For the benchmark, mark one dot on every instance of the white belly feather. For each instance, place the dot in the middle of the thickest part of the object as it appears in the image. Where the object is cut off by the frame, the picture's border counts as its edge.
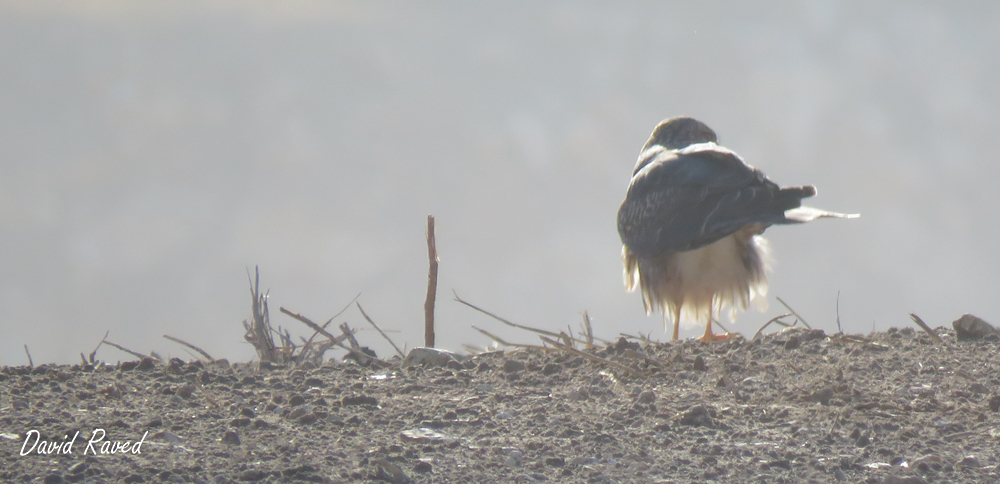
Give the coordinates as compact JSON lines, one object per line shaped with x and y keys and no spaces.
{"x":726,"y":274}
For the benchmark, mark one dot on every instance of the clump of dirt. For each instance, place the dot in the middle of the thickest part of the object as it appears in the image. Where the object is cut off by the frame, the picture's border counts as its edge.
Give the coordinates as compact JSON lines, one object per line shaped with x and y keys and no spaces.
{"x":797,"y":406}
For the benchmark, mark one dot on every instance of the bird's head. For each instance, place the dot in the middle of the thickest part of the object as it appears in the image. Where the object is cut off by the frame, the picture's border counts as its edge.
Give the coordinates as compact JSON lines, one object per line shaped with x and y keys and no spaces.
{"x":679,"y":132}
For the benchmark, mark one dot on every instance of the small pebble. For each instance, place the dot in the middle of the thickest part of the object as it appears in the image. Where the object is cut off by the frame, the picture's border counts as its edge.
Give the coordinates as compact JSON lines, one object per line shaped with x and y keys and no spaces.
{"x":185,"y":391}
{"x":230,"y":438}
{"x":146,"y":364}
{"x":647,"y":397}
{"x":995,"y":403}
{"x":698,"y":415}
{"x":822,"y":396}
{"x":510,"y":366}
{"x":298,"y":412}
{"x":514,"y":458}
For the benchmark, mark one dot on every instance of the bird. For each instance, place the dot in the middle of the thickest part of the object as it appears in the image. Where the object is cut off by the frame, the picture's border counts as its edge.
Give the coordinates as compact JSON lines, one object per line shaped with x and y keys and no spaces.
{"x":691,"y":225}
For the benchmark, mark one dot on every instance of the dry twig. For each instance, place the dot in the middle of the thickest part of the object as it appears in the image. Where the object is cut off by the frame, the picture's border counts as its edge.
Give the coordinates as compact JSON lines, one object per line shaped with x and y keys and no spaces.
{"x":923,"y":326}
{"x":30,"y":363}
{"x":432,"y":279}
{"x":93,"y":354}
{"x":804,"y":323}
{"x":349,"y":335}
{"x":588,"y":330}
{"x":315,"y":350}
{"x":258,"y":330}
{"x":508,"y":323}
{"x":312,"y":350}
{"x":839,"y":329}
{"x":189,"y":345}
{"x":567,"y":338}
{"x":398,"y":352}
{"x":308,"y":322}
{"x":641,"y":337}
{"x":500,"y":340}
{"x":313,"y":336}
{"x":133,"y":353}
{"x":774,"y":319}
{"x":337,"y":340}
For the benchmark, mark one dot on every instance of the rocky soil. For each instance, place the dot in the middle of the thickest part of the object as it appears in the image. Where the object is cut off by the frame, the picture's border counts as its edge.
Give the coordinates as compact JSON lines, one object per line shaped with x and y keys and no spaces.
{"x":797,"y":406}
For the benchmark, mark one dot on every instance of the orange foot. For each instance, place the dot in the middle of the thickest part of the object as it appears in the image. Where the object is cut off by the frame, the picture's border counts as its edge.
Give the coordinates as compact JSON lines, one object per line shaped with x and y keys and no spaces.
{"x":708,"y":337}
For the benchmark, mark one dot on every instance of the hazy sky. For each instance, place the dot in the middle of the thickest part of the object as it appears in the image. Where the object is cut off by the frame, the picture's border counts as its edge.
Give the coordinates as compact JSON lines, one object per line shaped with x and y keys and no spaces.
{"x":153,"y":152}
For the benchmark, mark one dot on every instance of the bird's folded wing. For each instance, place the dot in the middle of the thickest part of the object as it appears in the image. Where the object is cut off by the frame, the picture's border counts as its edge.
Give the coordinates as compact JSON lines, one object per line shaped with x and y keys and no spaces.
{"x":805,"y":214}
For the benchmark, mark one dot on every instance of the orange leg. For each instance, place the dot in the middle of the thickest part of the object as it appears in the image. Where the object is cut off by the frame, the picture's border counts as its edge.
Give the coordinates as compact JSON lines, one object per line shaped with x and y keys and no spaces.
{"x":677,"y":321}
{"x":709,"y":335}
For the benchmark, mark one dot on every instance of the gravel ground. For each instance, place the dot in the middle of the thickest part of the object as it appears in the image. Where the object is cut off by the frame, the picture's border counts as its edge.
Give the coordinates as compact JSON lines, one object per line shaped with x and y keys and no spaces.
{"x":797,"y":406}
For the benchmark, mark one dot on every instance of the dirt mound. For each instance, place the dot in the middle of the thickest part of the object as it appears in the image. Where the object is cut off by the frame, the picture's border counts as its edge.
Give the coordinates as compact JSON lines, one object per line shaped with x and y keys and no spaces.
{"x":798,"y":406}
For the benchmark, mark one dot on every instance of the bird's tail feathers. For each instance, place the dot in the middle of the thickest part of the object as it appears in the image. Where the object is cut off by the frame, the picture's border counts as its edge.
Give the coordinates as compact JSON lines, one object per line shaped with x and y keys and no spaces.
{"x":805,"y":191}
{"x":631,"y":263}
{"x":805,"y":214}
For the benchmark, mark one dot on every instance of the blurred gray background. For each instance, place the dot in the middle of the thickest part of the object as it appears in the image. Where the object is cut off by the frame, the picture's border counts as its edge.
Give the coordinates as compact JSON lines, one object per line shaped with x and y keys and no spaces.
{"x":153,"y":152}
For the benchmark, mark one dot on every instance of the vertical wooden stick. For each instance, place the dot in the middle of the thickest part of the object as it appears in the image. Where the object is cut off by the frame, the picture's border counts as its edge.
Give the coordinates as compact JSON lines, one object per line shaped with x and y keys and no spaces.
{"x":432,"y":280}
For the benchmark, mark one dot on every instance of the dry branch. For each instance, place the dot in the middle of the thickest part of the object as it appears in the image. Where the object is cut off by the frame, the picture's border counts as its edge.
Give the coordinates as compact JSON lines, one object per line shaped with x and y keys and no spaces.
{"x":923,"y":326}
{"x":133,"y":353}
{"x":588,"y":330}
{"x":30,"y":363}
{"x":345,"y":307}
{"x":308,"y":322}
{"x":398,"y":352}
{"x":839,"y":329}
{"x":93,"y":354}
{"x":189,"y":345}
{"x":797,"y":315}
{"x":774,"y":319}
{"x":506,"y":343}
{"x":311,"y":350}
{"x":567,"y":338}
{"x":432,"y":279}
{"x":258,"y":331}
{"x":349,"y":335}
{"x":515,"y":325}
{"x":337,"y":340}
{"x":307,"y":342}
